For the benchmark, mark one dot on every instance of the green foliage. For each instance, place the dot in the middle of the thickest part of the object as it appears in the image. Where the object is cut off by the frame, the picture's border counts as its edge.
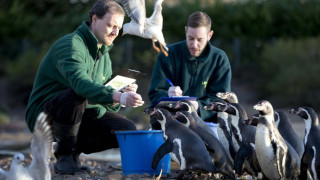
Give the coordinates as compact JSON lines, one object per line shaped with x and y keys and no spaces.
{"x":25,"y":66}
{"x":292,"y":70}
{"x":28,"y":28}
{"x":4,"y":119}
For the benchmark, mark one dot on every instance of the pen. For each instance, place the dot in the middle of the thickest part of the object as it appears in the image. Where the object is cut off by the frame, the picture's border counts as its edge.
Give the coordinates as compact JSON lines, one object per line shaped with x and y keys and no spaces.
{"x":169,"y":82}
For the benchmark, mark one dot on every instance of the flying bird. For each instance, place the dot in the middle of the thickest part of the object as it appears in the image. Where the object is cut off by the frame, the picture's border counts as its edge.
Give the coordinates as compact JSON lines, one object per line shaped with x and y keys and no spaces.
{"x":149,"y":28}
{"x":40,"y":148}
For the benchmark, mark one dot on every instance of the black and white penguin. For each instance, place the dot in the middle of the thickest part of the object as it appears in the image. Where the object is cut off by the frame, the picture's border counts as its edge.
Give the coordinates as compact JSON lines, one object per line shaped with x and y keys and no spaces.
{"x":242,"y":135}
{"x":240,"y":132}
{"x":311,"y":158}
{"x":224,"y":127}
{"x":184,"y":145}
{"x":219,"y":155}
{"x":229,"y":97}
{"x":278,"y":160}
{"x":286,"y":130}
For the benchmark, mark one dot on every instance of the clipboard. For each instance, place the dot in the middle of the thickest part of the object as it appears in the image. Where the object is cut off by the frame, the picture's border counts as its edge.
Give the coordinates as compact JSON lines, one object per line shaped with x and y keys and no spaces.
{"x":165,"y":100}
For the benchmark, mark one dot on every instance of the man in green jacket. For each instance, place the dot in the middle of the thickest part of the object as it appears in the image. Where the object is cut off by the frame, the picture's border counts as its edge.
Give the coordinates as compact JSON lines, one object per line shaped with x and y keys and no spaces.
{"x":69,"y":87}
{"x":194,"y":66}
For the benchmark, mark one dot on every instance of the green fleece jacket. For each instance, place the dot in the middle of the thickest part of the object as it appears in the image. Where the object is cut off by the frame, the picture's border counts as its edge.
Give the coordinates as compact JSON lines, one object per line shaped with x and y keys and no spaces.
{"x":74,"y":61}
{"x":201,"y":77}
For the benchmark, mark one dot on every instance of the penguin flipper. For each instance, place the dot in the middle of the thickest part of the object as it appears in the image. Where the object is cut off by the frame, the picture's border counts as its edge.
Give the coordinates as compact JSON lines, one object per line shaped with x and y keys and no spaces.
{"x":209,"y":149}
{"x":281,"y":153}
{"x":305,"y":160}
{"x":232,"y":151}
{"x":244,"y":151}
{"x":164,"y":149}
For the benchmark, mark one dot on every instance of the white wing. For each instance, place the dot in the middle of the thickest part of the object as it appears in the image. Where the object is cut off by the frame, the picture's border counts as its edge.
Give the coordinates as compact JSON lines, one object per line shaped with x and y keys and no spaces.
{"x":156,"y":17}
{"x":136,"y":10}
{"x":41,"y":147}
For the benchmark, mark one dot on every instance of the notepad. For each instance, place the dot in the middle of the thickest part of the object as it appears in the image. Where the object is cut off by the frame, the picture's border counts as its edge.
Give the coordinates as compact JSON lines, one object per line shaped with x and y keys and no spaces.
{"x":119,"y":82}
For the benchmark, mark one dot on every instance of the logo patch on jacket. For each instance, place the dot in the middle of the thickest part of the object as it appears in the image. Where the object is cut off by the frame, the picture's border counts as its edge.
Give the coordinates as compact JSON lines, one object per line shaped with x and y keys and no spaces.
{"x":205,"y":83}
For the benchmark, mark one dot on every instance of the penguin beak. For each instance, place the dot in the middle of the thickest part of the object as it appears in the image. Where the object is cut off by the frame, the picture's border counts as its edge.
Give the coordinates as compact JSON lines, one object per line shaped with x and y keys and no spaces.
{"x":257,"y":107}
{"x":295,"y":111}
{"x":176,"y":115}
{"x":154,"y":111}
{"x":148,"y":110}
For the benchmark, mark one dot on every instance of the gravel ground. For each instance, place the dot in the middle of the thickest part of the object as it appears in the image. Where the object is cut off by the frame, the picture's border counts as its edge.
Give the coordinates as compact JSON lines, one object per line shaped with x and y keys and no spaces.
{"x":106,"y":170}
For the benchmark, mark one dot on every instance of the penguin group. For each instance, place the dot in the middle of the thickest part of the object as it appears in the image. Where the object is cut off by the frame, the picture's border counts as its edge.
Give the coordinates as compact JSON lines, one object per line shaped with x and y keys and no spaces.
{"x":263,"y":145}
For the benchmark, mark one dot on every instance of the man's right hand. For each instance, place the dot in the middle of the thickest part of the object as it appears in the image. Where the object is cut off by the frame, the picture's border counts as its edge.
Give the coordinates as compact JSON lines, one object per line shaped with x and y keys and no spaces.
{"x":174,"y":91}
{"x":131,"y":99}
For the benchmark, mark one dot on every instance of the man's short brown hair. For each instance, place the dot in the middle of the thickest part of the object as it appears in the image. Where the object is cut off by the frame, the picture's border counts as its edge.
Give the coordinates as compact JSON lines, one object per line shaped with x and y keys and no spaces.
{"x":101,"y":7}
{"x":199,"y":19}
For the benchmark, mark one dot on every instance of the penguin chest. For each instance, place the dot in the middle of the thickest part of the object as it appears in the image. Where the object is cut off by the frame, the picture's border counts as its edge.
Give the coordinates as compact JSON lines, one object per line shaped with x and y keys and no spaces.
{"x":223,"y":138}
{"x":266,"y":153}
{"x":177,"y":153}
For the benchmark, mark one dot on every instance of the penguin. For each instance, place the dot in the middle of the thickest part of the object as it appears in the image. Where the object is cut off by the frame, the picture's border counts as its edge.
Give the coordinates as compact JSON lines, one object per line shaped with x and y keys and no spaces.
{"x":229,"y":97}
{"x":224,"y":127}
{"x":286,"y":130}
{"x":219,"y":155}
{"x":184,"y":145}
{"x":310,"y":161}
{"x":240,"y":132}
{"x":278,"y":160}
{"x":242,"y":135}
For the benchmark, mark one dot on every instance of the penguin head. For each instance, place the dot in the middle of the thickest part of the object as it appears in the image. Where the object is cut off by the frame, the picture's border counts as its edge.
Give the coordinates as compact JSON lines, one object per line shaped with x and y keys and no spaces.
{"x":183,"y":117}
{"x":217,"y":106}
{"x":304,"y":112}
{"x":162,"y":115}
{"x":264,"y":107}
{"x":230,"y":97}
{"x":148,"y":110}
{"x":158,"y":114}
{"x":184,"y":105}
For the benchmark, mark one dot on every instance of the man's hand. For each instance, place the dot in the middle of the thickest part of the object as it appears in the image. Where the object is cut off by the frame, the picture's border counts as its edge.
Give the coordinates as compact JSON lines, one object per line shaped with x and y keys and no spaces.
{"x":131,"y":99}
{"x":130,"y":88}
{"x":174,"y":91}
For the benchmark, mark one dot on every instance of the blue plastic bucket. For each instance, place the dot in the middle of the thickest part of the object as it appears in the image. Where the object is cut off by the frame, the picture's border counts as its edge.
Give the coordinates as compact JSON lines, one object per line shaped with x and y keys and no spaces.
{"x":137,"y":149}
{"x":213,"y":127}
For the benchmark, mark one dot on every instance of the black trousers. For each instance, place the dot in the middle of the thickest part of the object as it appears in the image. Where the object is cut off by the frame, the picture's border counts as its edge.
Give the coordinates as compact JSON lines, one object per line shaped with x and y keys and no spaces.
{"x":95,"y":134}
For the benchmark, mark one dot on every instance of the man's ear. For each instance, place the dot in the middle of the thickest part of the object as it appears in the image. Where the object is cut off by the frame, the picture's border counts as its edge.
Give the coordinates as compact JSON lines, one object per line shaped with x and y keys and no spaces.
{"x":210,"y":34}
{"x":94,"y":18}
{"x":186,"y":29}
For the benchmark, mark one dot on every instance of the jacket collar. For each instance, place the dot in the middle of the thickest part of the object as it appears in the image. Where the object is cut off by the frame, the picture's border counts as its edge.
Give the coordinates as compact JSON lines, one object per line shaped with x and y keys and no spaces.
{"x":91,"y":41}
{"x":204,"y":55}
